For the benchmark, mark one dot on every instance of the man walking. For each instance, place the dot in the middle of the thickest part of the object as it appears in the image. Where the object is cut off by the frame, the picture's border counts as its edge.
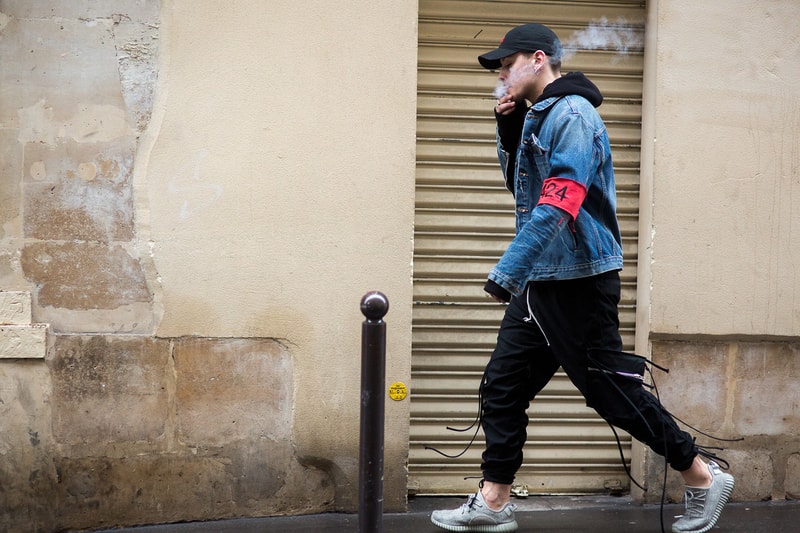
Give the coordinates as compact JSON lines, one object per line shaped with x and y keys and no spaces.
{"x":560,"y":277}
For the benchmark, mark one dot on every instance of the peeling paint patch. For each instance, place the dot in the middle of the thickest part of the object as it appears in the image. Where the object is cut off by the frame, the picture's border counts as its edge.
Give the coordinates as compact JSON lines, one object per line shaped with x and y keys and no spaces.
{"x":90,"y":124}
{"x":79,"y":191}
{"x":84,"y":275}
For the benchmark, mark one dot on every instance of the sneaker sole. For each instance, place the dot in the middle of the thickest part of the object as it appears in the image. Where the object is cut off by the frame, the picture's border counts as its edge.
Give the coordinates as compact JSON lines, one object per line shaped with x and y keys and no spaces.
{"x":726,"y":493}
{"x":487,"y":528}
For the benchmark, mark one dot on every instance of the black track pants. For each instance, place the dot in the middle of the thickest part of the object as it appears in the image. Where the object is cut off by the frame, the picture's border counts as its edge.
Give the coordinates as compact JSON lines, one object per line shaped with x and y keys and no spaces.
{"x":556,"y":324}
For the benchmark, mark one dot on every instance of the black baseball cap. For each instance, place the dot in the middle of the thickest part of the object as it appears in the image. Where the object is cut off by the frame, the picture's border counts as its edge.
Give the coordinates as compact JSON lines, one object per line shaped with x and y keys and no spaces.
{"x":525,"y":38}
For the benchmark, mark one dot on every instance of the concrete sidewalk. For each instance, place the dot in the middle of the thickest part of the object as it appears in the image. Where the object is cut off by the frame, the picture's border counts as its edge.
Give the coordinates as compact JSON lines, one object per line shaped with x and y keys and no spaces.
{"x":540,"y":514}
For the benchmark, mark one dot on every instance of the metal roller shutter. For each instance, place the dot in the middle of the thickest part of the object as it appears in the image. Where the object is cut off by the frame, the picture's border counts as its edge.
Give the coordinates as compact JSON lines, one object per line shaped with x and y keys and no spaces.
{"x":464,"y":220}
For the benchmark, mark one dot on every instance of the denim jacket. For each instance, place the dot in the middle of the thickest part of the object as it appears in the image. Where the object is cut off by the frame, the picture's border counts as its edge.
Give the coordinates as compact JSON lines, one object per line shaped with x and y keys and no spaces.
{"x":570,"y":161}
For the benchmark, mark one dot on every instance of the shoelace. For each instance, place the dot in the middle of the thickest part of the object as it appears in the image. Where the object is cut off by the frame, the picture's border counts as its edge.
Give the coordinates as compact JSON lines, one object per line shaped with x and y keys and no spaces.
{"x":475,"y":424}
{"x":695,"y":502}
{"x":470,"y":503}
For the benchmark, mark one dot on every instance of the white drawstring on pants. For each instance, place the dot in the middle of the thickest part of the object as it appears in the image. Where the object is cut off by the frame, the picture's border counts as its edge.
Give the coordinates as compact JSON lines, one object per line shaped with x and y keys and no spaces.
{"x":531,"y":316}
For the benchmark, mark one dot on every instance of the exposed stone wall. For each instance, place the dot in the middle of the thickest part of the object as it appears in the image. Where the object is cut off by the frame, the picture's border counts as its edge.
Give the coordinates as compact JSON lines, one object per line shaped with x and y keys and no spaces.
{"x":120,"y":430}
{"x":78,"y":81}
{"x":736,"y":389}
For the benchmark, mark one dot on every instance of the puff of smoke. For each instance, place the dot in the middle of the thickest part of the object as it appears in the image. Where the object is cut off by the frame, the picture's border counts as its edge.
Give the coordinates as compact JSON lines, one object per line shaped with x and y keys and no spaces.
{"x":620,"y":36}
{"x":514,"y":75}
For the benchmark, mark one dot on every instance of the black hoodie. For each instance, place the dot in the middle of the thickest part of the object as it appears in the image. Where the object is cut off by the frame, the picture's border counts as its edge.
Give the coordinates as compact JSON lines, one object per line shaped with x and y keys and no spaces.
{"x":573,"y":83}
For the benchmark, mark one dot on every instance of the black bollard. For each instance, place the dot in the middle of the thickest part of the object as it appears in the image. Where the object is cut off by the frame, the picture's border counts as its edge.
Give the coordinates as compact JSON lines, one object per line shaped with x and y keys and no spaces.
{"x":374,"y":306}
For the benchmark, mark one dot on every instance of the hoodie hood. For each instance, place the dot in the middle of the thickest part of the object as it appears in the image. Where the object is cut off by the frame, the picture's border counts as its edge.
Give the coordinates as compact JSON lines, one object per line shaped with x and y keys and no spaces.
{"x":573,"y":83}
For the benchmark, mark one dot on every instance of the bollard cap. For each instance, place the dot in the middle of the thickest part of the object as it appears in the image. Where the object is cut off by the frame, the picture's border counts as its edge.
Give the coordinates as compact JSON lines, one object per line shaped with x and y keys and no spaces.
{"x":374,"y":305}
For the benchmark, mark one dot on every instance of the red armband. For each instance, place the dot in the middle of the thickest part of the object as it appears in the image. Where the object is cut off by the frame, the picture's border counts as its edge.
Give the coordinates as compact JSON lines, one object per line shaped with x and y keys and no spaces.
{"x":564,"y":193}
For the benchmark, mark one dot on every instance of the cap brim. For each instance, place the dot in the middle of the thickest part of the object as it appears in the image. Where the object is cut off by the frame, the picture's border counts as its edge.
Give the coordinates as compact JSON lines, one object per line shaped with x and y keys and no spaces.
{"x":491,"y":60}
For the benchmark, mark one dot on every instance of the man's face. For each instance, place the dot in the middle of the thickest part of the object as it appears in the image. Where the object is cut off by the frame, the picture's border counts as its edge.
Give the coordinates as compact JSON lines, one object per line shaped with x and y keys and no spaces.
{"x":517,"y":74}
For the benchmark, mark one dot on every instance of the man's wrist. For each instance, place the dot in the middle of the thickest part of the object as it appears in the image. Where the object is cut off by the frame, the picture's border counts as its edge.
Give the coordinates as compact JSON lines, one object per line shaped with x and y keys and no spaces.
{"x":497,"y":291}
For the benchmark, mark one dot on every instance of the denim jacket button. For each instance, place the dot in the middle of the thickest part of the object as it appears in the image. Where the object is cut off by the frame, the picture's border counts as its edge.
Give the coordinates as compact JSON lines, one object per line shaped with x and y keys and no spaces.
{"x":522,"y":209}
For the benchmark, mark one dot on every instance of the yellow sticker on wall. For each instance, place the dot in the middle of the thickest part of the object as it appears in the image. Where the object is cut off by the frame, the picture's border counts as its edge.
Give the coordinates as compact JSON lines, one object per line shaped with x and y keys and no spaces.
{"x":398,"y":391}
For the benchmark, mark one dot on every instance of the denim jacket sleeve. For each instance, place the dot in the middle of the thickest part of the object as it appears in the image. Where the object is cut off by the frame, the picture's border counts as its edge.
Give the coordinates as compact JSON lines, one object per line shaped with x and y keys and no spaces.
{"x":513,"y":270}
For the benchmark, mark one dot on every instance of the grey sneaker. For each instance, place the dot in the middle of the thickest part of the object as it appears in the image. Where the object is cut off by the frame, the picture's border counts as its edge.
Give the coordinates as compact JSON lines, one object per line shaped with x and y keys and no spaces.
{"x":703,"y":506}
{"x":475,"y":515}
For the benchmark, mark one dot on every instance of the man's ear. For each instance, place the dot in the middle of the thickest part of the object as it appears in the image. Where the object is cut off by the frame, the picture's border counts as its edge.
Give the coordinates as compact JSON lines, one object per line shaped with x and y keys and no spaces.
{"x":538,"y":60}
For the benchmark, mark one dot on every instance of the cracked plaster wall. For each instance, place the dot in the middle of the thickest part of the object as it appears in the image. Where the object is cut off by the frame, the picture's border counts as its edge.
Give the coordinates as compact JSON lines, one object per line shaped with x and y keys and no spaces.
{"x":78,"y":83}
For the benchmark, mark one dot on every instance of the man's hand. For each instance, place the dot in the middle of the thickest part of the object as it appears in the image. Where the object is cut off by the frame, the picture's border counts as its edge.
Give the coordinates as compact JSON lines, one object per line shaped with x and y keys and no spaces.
{"x":496,"y":298}
{"x":496,"y":292}
{"x":505,"y":105}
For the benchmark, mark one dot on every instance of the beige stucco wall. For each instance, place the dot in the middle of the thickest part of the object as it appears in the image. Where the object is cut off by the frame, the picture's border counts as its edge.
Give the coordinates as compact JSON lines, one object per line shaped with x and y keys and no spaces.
{"x":726,"y":169}
{"x":720,"y":233}
{"x":196,"y":196}
{"x":278,"y":183}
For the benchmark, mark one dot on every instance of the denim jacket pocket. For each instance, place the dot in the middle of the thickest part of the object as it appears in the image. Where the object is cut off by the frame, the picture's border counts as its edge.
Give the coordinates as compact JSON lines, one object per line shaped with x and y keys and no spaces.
{"x":570,"y":236}
{"x":540,"y":155}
